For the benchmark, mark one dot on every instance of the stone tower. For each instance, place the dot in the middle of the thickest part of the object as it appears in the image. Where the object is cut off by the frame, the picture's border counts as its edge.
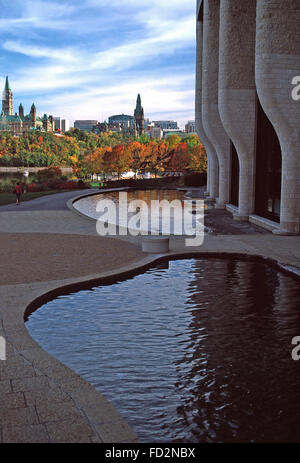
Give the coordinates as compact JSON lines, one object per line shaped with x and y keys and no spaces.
{"x":33,"y":115}
{"x":7,"y":99}
{"x":139,"y":116}
{"x":21,"y":111}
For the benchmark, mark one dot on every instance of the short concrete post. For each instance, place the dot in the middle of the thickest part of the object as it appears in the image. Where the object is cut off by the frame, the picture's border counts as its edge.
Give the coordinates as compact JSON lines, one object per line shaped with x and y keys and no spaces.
{"x":155,"y":244}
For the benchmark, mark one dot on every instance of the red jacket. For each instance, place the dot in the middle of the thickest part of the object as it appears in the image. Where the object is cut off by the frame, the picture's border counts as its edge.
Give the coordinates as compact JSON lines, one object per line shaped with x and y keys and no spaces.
{"x":18,"y":189}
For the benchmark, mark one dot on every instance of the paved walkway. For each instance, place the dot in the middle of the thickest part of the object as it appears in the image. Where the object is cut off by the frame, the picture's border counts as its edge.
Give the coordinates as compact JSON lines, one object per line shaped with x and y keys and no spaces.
{"x":53,"y":202}
{"x":45,"y":246}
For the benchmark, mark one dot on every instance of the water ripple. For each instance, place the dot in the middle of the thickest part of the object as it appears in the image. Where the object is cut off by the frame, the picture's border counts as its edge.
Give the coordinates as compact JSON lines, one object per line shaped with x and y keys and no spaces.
{"x":197,"y":352}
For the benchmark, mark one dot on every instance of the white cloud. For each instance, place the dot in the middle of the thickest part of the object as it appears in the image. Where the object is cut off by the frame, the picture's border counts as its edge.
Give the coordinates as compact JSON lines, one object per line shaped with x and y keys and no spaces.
{"x":45,"y":9}
{"x":164,"y":96}
{"x":71,"y":66}
{"x":176,"y":37}
{"x":54,"y":73}
{"x":36,"y":51}
{"x":37,"y":14}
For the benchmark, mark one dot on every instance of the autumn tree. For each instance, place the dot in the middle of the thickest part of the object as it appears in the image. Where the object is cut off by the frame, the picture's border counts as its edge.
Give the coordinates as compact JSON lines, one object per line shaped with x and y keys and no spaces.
{"x":179,"y":159}
{"x":94,"y":161}
{"x":173,"y":140}
{"x":191,"y":140}
{"x":150,"y":160}
{"x":163,"y":156}
{"x":116,"y":159}
{"x":198,"y":159}
{"x":136,"y":152}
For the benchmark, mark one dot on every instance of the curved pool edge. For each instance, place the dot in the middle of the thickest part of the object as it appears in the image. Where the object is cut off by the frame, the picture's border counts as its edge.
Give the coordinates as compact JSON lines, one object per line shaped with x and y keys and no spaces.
{"x":99,"y":415}
{"x":103,"y":420}
{"x":73,"y":200}
{"x":99,"y":412}
{"x":70,"y":203}
{"x":20,"y":300}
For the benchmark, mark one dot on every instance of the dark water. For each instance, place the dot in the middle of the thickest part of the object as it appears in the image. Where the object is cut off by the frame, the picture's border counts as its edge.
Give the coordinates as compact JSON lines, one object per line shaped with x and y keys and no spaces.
{"x":15,"y":175}
{"x":197,"y":352}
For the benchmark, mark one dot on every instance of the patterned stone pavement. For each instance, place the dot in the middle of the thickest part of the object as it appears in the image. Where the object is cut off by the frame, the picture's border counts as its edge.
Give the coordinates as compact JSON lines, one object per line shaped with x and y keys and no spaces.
{"x":41,"y":400}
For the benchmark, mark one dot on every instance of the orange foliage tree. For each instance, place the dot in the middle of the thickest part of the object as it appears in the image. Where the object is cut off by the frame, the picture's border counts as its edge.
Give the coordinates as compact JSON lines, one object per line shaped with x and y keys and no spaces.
{"x":198,"y":159}
{"x":135,"y":152}
{"x":94,"y":161}
{"x":179,"y":159}
{"x":116,"y":160}
{"x":149,"y":163}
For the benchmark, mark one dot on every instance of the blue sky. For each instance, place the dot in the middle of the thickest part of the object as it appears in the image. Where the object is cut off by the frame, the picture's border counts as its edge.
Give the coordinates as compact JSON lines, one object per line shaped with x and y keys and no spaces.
{"x":88,"y":59}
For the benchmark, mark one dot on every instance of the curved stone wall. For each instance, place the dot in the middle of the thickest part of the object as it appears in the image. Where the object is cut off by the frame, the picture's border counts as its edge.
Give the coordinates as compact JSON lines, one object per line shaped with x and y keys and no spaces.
{"x":210,"y":112}
{"x":252,"y":49}
{"x":212,"y":168}
{"x":277,"y":63}
{"x":237,"y":92}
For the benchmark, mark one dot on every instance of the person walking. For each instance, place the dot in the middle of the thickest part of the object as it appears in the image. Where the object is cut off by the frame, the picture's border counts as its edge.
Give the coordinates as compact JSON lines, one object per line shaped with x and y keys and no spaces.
{"x":18,"y":193}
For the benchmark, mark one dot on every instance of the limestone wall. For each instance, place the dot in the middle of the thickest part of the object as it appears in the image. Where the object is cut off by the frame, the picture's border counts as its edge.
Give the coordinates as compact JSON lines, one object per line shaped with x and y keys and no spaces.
{"x":277,"y":63}
{"x":246,"y":48}
{"x":212,"y":171}
{"x":210,"y":112}
{"x":237,"y":93}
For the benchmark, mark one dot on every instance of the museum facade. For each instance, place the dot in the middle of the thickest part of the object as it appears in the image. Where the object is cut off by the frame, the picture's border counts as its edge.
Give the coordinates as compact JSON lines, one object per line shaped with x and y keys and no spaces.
{"x":248,"y":108}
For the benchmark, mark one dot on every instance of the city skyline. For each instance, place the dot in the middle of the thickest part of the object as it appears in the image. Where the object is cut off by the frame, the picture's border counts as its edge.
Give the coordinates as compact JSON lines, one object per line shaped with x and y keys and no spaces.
{"x":89,"y":61}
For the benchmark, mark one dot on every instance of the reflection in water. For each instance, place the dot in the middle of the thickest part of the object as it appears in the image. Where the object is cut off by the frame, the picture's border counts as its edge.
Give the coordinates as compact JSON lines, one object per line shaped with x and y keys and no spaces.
{"x":138,"y":210}
{"x":144,"y":195}
{"x":197,"y":352}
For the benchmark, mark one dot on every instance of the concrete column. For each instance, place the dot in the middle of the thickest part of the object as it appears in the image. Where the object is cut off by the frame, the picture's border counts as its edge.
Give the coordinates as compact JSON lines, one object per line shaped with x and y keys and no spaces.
{"x":277,"y":63}
{"x":237,"y":92}
{"x":210,"y":112}
{"x":212,"y":167}
{"x":208,"y":173}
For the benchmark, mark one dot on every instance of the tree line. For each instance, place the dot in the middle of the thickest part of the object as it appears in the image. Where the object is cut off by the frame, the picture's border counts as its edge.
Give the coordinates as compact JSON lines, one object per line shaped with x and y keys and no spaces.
{"x":108,"y":153}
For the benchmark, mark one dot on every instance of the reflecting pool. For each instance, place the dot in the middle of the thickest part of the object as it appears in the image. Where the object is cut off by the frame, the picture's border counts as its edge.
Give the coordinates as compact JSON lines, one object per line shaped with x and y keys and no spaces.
{"x":195,"y":350}
{"x":139,"y":210}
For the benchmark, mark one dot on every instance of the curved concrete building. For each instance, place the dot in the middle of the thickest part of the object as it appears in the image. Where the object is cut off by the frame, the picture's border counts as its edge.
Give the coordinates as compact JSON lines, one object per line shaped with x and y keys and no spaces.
{"x":210,"y":111}
{"x":277,"y":63}
{"x":237,"y":97}
{"x":251,"y":106}
{"x":213,"y":167}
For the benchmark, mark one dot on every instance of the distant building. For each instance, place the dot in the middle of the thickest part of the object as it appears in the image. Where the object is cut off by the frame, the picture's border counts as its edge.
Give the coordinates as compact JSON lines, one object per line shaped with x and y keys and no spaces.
{"x":147,"y":122}
{"x":100,"y":127}
{"x":117,"y":127}
{"x":120,"y":123}
{"x":139,"y":116}
{"x":87,"y":125}
{"x":148,"y":127}
{"x":167,"y":125}
{"x":57,"y":122}
{"x":155,"y":132}
{"x":190,"y":127}
{"x":19,"y":123}
{"x":127,"y":122}
{"x":65,"y":125}
{"x":61,"y":125}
